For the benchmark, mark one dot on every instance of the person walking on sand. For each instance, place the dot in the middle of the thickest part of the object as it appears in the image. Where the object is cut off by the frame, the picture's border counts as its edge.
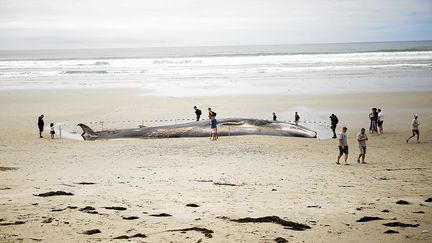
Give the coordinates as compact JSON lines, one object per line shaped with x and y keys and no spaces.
{"x":274,"y":116}
{"x":296,"y":118}
{"x":197,"y":113}
{"x":343,"y":145}
{"x":380,"y":121}
{"x":213,"y":122}
{"x":415,"y":129}
{"x":334,"y":121}
{"x":52,"y":132}
{"x":362,"y":138}
{"x":41,"y":125}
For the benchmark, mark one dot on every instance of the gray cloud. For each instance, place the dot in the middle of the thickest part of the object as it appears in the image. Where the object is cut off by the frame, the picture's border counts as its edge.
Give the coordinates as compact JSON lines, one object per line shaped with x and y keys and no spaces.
{"x":127,"y":23}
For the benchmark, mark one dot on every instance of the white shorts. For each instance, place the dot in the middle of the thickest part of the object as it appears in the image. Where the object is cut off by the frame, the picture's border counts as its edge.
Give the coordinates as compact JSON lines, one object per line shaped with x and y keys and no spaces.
{"x":213,"y":130}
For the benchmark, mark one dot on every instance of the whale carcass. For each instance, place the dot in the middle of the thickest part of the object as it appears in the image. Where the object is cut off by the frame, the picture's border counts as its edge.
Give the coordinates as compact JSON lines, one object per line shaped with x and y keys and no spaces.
{"x":226,"y":127}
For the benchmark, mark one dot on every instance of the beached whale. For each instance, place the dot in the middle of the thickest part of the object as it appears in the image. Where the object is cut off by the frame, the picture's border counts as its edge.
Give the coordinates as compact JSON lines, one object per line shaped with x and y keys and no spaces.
{"x":226,"y":127}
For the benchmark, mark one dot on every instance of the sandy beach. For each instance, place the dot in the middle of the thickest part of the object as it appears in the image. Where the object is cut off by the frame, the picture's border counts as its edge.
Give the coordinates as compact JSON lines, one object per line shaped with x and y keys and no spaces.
{"x":150,"y":182}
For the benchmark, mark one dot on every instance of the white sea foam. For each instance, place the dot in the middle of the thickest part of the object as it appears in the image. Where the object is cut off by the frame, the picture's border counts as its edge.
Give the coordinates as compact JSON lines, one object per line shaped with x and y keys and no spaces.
{"x":238,"y":73}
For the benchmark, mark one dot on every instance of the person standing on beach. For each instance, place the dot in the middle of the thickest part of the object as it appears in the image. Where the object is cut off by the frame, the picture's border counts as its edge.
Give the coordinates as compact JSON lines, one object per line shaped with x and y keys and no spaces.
{"x":274,"y":116}
{"x":296,"y":118}
{"x":197,"y":113}
{"x":210,"y":113}
{"x":415,"y":129}
{"x":374,"y":120}
{"x":334,"y":121}
{"x":52,"y":132}
{"x":362,"y":138}
{"x":343,"y":145}
{"x":380,"y":121}
{"x":41,"y":125}
{"x":213,"y":135}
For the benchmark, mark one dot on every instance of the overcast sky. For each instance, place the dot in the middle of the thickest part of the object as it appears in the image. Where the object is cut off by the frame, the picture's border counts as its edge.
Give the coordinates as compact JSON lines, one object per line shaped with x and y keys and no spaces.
{"x":41,"y":24}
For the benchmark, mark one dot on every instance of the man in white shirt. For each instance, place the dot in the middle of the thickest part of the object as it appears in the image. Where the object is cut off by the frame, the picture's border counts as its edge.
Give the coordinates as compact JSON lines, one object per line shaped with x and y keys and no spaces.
{"x":343,"y":145}
{"x":415,"y":130}
{"x":380,"y":121}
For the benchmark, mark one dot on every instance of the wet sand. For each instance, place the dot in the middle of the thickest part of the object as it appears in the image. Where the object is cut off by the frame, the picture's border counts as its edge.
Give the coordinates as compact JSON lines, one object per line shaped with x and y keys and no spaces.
{"x":192,"y":189}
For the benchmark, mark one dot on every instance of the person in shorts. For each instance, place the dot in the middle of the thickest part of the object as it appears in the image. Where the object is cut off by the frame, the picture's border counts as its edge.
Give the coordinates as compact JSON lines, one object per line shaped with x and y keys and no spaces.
{"x":380,"y":121}
{"x":415,"y":129}
{"x":361,"y":139}
{"x":213,"y":135}
{"x":52,"y":130}
{"x":343,"y":145}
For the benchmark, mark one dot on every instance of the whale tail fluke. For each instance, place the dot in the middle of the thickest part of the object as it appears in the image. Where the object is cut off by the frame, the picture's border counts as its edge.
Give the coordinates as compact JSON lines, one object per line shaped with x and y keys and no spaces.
{"x":88,"y":133}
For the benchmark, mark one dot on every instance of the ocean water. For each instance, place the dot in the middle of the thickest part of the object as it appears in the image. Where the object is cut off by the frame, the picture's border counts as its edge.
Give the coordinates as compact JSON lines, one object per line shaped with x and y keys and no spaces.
{"x":231,"y":70}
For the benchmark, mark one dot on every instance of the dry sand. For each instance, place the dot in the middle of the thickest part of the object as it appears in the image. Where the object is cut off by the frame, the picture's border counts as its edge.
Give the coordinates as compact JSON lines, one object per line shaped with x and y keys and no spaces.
{"x":295,"y":179}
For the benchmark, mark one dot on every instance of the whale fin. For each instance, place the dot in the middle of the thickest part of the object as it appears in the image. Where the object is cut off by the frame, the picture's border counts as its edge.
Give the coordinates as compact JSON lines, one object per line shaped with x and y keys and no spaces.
{"x":88,"y":133}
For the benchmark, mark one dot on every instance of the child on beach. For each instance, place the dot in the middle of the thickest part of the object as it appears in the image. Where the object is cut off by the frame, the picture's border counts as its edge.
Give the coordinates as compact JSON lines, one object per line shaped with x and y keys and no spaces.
{"x":362,"y":138}
{"x":52,"y":132}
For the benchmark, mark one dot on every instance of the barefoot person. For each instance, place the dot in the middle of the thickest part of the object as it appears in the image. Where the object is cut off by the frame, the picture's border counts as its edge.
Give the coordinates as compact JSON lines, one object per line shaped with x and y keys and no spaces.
{"x":362,"y":138}
{"x":343,"y":145}
{"x":334,"y":121}
{"x":41,"y":125}
{"x":213,"y":135}
{"x":415,"y":130}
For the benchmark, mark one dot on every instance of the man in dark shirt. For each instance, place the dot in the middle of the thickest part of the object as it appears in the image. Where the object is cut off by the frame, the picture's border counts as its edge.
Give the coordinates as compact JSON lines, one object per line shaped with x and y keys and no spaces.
{"x":213,"y":122}
{"x":334,"y":121}
{"x":374,"y":120}
{"x":296,"y":118}
{"x":41,"y":125}
{"x":274,"y":116}
{"x":197,"y":113}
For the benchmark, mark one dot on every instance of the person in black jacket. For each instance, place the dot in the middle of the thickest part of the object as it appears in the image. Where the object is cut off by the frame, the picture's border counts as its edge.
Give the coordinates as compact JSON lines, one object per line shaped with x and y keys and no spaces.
{"x":334,"y":121}
{"x":41,"y":125}
{"x":197,"y":113}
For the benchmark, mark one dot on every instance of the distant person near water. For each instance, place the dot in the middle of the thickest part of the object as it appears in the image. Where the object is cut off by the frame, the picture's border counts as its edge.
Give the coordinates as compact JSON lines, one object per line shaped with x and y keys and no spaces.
{"x":296,"y":118}
{"x":52,"y":132}
{"x":41,"y":125}
{"x":274,"y":116}
{"x":213,"y":135}
{"x":415,"y":129}
{"x":343,"y":146}
{"x":361,"y":139}
{"x":380,"y":121}
{"x":197,"y":113}
{"x":334,"y":121}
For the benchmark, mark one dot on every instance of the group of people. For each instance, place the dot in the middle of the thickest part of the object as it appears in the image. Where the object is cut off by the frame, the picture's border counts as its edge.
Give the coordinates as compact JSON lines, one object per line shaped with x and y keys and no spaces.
{"x":376,"y":118}
{"x":362,"y":136}
{"x":213,"y":122}
{"x":296,"y":117}
{"x":41,"y":125}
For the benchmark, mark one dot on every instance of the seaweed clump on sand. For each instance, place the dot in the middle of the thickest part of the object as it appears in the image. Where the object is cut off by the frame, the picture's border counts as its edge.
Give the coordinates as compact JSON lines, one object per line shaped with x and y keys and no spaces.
{"x":56,"y":193}
{"x":276,"y":220}
{"x":207,"y":233}
{"x":399,"y":224}
{"x":369,"y":218}
{"x":125,"y":237}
